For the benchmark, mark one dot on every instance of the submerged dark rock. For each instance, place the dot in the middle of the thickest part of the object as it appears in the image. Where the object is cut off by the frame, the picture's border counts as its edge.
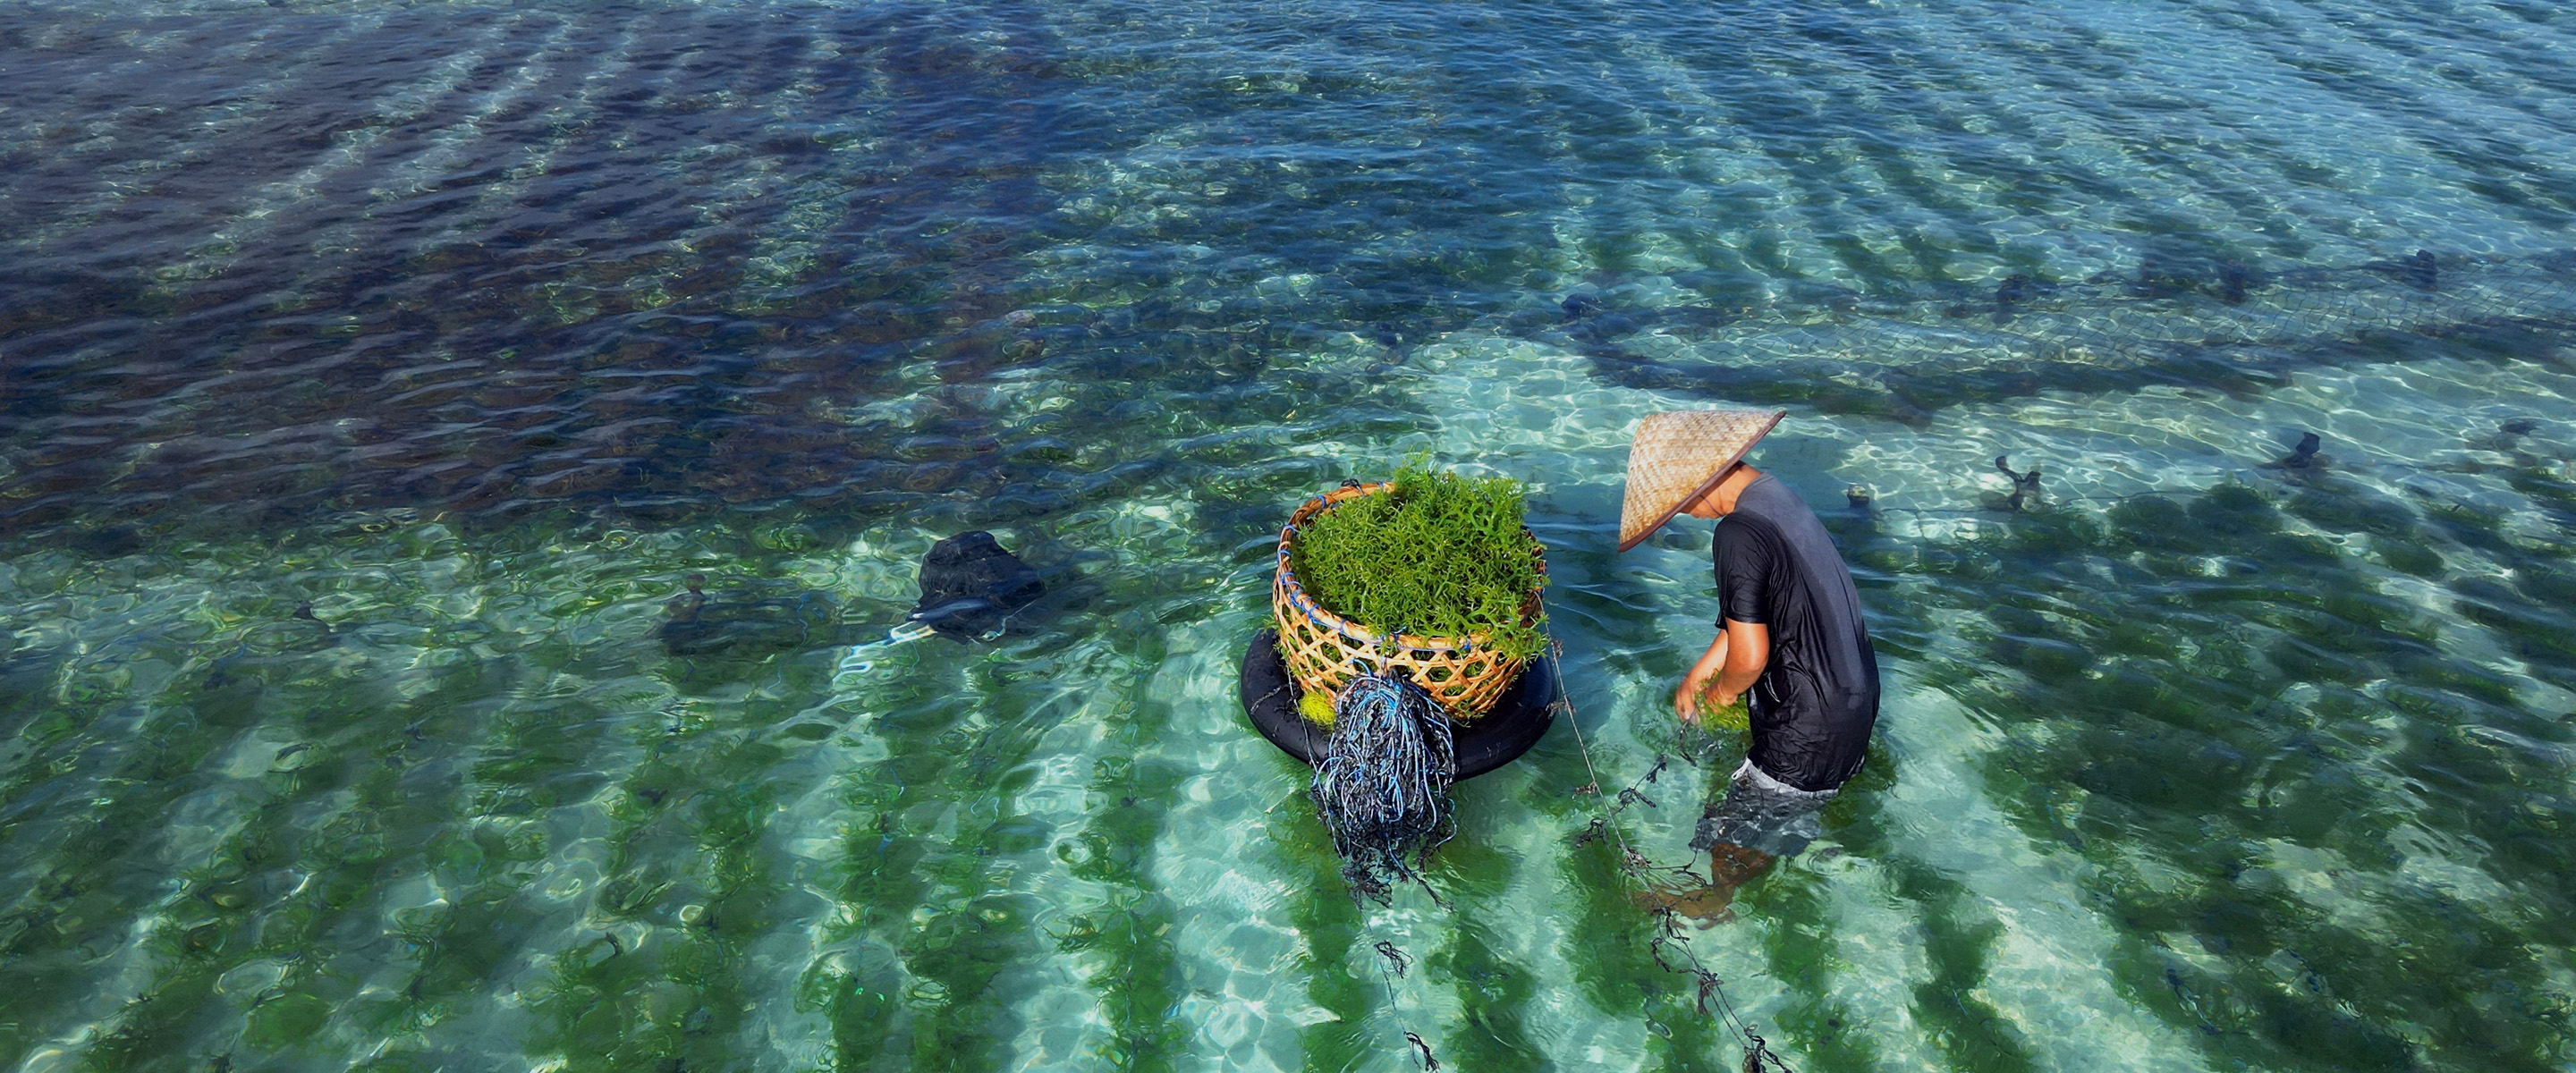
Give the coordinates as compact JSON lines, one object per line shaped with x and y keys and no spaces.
{"x":747,"y":627}
{"x":106,"y":542}
{"x":2423,"y":273}
{"x":2159,"y":277}
{"x":2017,"y":291}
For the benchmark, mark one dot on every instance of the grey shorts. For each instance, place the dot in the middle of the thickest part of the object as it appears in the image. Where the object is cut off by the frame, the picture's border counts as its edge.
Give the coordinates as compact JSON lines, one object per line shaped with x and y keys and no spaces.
{"x":1762,"y":813}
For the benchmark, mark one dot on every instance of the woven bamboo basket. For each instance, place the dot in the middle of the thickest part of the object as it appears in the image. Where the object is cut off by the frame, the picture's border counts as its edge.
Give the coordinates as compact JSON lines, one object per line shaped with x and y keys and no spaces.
{"x":1324,"y":651}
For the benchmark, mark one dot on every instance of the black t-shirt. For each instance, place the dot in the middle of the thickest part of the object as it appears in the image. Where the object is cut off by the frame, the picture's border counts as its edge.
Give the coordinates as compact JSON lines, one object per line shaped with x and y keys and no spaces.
{"x":1817,"y":698}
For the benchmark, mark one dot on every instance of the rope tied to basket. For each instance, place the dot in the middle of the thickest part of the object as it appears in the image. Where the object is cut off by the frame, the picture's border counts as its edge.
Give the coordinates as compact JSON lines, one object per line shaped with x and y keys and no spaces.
{"x":1383,"y":784}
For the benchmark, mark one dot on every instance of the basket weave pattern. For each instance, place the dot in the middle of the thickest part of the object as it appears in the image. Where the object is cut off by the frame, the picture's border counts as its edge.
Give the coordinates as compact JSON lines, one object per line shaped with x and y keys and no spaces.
{"x":1324,"y":651}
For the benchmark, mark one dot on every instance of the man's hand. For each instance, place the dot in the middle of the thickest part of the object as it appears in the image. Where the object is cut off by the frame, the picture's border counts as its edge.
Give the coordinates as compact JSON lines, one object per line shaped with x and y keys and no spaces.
{"x":1686,"y":699}
{"x":1703,"y":674}
{"x":1734,"y":660}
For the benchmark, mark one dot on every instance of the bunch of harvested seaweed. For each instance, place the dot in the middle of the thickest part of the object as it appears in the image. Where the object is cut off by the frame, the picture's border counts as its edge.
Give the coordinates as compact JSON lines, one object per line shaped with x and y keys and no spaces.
{"x":1444,"y":555}
{"x":1383,"y":783}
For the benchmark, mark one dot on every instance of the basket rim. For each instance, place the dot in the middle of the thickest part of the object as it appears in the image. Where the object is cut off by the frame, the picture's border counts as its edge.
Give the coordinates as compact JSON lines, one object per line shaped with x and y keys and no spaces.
{"x":1287,"y":586}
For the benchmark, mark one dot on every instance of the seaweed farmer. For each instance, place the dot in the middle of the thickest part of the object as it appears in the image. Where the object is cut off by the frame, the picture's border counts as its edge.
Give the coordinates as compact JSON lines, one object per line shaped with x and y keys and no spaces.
{"x":1790,"y":641}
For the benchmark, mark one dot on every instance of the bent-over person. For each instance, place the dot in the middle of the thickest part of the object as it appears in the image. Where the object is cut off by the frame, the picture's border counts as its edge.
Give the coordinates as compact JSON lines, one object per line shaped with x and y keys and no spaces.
{"x":1790,"y":641}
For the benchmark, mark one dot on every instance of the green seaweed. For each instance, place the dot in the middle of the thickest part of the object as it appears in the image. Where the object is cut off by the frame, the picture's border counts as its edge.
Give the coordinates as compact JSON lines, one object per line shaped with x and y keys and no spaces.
{"x":1440,"y":555}
{"x":1608,"y":941}
{"x":1131,"y":932}
{"x":932,"y":944}
{"x":1329,"y":922}
{"x":1494,"y":991}
{"x":1798,"y":952}
{"x":2187,"y":753}
{"x":232,"y":913}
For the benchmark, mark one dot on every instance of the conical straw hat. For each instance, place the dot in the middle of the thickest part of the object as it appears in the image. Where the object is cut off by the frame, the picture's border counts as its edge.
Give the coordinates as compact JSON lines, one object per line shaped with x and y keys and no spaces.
{"x":1680,"y":455}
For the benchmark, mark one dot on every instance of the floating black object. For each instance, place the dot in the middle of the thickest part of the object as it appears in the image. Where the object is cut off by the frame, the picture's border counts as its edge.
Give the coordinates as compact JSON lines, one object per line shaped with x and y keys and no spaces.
{"x":2422,"y":271}
{"x":2025,"y":485}
{"x":329,"y":636}
{"x":2233,"y":281}
{"x":970,"y":587}
{"x":1518,"y":719}
{"x":2305,"y":455}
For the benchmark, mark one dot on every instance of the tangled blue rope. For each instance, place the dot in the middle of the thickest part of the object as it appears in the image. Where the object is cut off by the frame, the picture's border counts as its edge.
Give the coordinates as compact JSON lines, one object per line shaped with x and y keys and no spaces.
{"x":1383,"y":784}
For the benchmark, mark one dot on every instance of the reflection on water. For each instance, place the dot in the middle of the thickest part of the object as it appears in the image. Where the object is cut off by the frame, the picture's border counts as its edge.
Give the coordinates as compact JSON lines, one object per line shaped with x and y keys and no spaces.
{"x":455,"y":456}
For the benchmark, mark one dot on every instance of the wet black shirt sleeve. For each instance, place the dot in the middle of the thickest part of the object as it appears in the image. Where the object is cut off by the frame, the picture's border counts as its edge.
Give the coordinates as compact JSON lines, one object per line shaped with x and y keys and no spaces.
{"x":1746,"y":564}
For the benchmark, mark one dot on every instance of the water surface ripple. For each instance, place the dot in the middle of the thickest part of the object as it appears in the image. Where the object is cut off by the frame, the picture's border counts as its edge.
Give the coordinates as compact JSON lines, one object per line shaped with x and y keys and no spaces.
{"x":372,"y":375}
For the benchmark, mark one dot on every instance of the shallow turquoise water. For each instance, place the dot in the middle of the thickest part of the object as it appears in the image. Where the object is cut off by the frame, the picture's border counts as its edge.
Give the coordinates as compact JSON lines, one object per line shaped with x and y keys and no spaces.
{"x":477,"y":328}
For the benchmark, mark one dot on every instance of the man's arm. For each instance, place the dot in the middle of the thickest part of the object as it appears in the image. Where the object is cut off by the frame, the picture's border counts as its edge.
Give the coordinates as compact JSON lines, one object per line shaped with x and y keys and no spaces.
{"x":1747,"y":651}
{"x":1744,"y":557}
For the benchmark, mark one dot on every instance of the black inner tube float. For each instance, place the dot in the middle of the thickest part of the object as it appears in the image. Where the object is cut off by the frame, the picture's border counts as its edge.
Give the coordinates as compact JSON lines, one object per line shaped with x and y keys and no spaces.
{"x":1518,"y":720}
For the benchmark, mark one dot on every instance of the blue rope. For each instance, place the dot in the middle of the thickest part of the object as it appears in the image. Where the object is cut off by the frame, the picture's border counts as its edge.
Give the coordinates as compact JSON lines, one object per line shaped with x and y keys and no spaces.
{"x":1383,"y":784}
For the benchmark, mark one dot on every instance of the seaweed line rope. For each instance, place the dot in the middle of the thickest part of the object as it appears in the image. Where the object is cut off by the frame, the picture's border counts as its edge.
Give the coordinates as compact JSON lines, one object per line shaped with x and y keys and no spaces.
{"x":1758,"y":1055}
{"x":1392,"y":704}
{"x":1392,"y":962}
{"x":854,"y":665}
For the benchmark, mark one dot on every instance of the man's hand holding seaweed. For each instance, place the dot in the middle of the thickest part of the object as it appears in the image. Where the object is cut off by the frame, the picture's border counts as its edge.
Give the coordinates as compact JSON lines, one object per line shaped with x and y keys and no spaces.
{"x":1729,"y":667}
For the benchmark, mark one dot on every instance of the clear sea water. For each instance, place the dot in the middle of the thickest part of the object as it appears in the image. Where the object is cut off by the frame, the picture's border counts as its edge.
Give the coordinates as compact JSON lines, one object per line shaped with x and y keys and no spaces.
{"x":371,"y":375}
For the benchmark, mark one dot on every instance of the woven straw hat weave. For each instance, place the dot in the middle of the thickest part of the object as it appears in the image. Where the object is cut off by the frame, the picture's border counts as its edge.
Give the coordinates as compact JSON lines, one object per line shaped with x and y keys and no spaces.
{"x":1677,"y":456}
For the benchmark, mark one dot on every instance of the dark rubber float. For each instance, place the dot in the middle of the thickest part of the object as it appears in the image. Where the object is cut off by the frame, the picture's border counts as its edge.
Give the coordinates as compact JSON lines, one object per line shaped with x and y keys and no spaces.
{"x":1519,"y":719}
